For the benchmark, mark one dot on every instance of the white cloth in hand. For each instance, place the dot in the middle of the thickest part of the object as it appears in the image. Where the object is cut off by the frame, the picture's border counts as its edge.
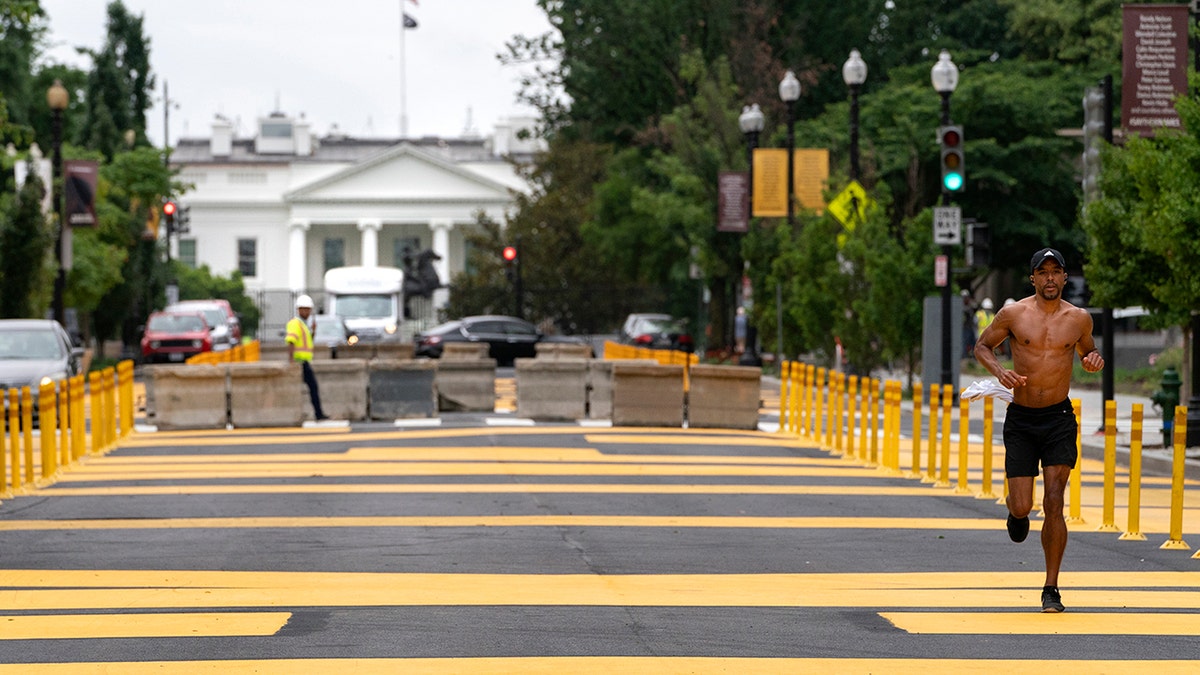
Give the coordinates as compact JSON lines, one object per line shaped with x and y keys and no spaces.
{"x":980,"y":389}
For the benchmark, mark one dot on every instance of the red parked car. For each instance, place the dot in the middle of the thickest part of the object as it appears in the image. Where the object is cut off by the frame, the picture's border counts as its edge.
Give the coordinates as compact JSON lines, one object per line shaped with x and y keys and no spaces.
{"x":171,"y":337}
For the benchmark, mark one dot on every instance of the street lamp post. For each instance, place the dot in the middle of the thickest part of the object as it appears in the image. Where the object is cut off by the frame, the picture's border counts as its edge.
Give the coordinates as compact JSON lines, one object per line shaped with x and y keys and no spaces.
{"x":751,"y":124}
{"x":854,"y":72}
{"x":57,"y":98}
{"x":944,"y":76}
{"x":789,"y":92}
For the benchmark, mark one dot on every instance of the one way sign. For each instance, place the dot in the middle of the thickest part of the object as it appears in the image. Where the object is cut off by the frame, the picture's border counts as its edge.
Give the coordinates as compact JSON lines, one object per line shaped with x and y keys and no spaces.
{"x":947,"y":225}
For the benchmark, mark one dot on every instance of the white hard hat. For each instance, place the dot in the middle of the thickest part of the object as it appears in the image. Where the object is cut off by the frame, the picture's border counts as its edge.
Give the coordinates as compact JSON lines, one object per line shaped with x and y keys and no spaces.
{"x":987,"y":303}
{"x":304,"y":301}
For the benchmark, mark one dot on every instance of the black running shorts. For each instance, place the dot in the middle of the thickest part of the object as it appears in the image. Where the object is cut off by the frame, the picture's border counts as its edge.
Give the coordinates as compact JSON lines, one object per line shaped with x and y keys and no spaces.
{"x":1045,"y":434}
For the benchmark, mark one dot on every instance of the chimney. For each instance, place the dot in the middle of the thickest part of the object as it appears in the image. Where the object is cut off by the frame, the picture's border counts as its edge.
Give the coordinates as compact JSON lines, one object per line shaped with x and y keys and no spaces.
{"x":302,"y":137}
{"x":221,"y":144}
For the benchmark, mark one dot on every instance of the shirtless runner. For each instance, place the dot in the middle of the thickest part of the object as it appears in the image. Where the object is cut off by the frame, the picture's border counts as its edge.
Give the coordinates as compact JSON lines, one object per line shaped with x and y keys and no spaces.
{"x":1044,"y":332}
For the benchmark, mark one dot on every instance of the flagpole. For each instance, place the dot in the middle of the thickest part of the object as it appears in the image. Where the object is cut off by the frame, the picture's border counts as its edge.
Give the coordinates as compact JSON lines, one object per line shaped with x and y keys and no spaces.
{"x":403,"y":84}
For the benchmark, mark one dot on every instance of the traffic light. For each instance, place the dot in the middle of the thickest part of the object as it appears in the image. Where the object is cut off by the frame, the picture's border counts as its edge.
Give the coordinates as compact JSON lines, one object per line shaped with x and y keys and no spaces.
{"x":169,"y":209}
{"x":1094,"y":105}
{"x":979,"y":249}
{"x":510,"y":260}
{"x":183,"y":219}
{"x":953,"y":171}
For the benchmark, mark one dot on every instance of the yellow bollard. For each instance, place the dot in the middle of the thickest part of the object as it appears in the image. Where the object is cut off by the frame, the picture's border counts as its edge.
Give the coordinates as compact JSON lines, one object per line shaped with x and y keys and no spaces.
{"x":64,"y":426}
{"x":14,"y":437}
{"x":873,"y":458}
{"x":819,"y":416}
{"x":897,"y":412}
{"x":48,"y":424}
{"x":885,"y":430}
{"x":918,"y":403}
{"x":1134,"y":530}
{"x":1177,"y":470}
{"x":1075,"y":514}
{"x":96,"y":401}
{"x":964,"y":448}
{"x":944,"y":471}
{"x":839,"y":431}
{"x":1108,"y":518}
{"x":797,"y":398}
{"x":125,"y":388}
{"x":988,"y":429}
{"x":4,"y":492}
{"x":851,"y":422}
{"x":785,"y":376}
{"x":110,"y":406}
{"x":78,"y":418}
{"x":811,"y":399}
{"x":864,"y":423}
{"x":27,"y":421}
{"x":935,"y":393}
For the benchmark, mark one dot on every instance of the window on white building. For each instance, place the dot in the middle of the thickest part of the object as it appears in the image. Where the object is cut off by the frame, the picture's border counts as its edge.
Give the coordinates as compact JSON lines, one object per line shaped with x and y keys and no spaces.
{"x":187,"y":252}
{"x":248,"y":257}
{"x":405,"y":246}
{"x":335,"y":252}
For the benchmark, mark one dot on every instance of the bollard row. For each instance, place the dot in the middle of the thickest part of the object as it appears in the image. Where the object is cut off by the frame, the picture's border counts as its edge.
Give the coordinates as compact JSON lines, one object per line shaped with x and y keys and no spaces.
{"x":77,"y":416}
{"x":859,"y":419}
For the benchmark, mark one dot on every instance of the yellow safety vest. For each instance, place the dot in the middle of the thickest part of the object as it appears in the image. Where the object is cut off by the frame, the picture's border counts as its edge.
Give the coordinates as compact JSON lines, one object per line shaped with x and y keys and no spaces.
{"x":299,"y":335}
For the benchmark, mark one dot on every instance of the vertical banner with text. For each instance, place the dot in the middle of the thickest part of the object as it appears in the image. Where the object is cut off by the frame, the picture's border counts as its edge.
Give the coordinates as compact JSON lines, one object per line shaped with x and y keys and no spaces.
{"x":733,"y":201}
{"x":1153,"y":67}
{"x":770,"y":195}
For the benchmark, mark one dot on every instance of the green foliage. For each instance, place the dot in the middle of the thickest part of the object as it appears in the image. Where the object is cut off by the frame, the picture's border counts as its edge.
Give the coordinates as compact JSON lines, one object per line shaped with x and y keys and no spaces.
{"x":1143,"y":230}
{"x":119,"y":87}
{"x":25,"y":237}
{"x":200,"y":284}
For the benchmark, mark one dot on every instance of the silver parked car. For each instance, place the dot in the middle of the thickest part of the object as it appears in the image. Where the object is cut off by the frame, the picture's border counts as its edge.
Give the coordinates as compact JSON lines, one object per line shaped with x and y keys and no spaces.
{"x":33,"y":351}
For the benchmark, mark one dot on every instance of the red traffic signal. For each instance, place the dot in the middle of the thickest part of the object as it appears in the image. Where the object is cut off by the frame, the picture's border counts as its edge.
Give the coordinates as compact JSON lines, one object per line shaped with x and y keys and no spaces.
{"x":509,"y":253}
{"x":168,"y":208}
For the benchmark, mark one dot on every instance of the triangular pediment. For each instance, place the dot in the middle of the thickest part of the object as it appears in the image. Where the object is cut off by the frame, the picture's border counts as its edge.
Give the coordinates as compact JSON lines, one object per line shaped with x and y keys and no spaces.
{"x":400,"y":173}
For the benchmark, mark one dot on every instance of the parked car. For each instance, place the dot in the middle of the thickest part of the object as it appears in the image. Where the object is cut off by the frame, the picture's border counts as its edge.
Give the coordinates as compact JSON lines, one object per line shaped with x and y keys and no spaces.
{"x":508,"y":338}
{"x":657,"y":331}
{"x":222,"y":321}
{"x":33,"y":351}
{"x":172,"y":337}
{"x":331,"y":331}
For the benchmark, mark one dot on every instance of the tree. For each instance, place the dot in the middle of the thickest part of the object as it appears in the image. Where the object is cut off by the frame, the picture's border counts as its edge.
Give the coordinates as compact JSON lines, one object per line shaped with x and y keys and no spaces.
{"x":119,"y":87}
{"x":25,"y":239}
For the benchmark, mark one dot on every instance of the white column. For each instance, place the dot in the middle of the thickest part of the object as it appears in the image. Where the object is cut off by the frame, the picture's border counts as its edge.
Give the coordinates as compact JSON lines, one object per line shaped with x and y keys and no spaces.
{"x":297,"y":253}
{"x":370,"y":228}
{"x":440,"y":227}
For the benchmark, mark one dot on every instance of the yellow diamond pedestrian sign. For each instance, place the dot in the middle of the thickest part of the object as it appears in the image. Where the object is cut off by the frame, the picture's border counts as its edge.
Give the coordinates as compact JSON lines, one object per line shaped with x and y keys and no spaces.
{"x":851,"y":204}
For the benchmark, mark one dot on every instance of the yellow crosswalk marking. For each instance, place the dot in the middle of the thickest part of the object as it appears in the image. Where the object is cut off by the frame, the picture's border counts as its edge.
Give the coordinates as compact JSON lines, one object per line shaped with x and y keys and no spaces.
{"x":1070,"y":623}
{"x":187,"y":624}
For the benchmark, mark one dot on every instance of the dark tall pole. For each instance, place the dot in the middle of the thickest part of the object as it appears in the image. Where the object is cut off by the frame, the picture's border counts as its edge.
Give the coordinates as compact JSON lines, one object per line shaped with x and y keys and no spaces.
{"x":854,"y":168}
{"x":791,"y":162}
{"x":947,"y":342}
{"x":57,"y":98}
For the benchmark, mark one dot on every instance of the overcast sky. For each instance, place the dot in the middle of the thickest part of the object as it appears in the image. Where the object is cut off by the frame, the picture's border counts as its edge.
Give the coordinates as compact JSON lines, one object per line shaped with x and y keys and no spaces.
{"x":337,"y":62}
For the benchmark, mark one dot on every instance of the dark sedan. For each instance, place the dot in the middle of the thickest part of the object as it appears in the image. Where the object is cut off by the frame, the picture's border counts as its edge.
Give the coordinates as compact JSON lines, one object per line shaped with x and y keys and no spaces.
{"x":508,"y":338}
{"x":34,"y":351}
{"x":657,"y":331}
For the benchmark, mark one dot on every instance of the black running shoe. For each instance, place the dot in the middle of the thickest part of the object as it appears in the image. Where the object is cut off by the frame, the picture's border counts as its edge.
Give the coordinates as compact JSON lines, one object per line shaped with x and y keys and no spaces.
{"x":1051,"y":602}
{"x":1018,"y":528}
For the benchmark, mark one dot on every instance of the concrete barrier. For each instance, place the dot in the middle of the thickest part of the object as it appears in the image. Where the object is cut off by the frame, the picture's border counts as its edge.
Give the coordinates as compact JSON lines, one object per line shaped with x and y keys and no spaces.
{"x":552,"y":389}
{"x":459,"y":351}
{"x":725,"y":397}
{"x":189,"y":397}
{"x":600,"y":379}
{"x":647,"y":395}
{"x":343,"y":385}
{"x":402,"y":389}
{"x":466,"y":385}
{"x":563,"y":350}
{"x":392,"y":351}
{"x":273,"y":351}
{"x":359,"y":350}
{"x":267,"y":394}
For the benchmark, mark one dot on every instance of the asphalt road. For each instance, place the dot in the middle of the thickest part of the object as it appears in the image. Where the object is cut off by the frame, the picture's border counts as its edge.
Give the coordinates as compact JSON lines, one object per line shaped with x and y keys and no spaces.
{"x":475,"y":547}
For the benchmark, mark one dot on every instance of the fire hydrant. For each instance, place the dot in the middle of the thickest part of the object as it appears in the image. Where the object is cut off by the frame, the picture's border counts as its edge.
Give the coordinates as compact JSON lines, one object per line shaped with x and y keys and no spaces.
{"x":1166,"y":398}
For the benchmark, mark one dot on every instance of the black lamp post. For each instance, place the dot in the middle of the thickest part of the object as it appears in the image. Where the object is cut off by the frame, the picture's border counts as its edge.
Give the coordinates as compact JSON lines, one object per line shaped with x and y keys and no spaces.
{"x":57,"y":98}
{"x":944,"y":76}
{"x":854,"y":72}
{"x":789,"y":92}
{"x":751,"y":124}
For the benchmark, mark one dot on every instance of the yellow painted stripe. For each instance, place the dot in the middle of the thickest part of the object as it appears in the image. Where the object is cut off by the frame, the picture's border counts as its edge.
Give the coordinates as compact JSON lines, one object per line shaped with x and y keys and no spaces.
{"x":612,"y":665}
{"x":786,"y":522}
{"x":58,"y":590}
{"x":338,"y":435}
{"x":1070,"y":623}
{"x":188,"y":624}
{"x":476,"y":488}
{"x":92,"y":472}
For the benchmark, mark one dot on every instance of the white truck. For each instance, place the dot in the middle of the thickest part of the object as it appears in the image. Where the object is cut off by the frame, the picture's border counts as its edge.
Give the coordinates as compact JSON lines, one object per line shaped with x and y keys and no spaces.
{"x":369,"y":300}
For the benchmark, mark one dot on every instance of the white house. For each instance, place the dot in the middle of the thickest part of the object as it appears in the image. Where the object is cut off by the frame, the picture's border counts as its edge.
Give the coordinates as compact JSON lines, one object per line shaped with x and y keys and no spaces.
{"x":285,"y":206}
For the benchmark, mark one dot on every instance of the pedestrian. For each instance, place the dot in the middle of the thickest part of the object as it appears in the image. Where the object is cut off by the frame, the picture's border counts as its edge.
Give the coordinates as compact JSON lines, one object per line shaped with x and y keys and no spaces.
{"x":300,"y":350}
{"x":739,"y":330}
{"x":1044,"y":332}
{"x":984,"y":315}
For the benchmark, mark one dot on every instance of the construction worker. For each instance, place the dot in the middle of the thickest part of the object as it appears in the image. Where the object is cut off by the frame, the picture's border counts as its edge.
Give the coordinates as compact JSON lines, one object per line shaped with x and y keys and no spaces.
{"x":300,"y":349}
{"x":984,"y":316}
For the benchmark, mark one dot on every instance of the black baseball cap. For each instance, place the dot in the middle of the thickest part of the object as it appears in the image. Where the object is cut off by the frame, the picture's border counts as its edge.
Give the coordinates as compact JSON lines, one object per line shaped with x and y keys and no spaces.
{"x":1040,"y":257}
